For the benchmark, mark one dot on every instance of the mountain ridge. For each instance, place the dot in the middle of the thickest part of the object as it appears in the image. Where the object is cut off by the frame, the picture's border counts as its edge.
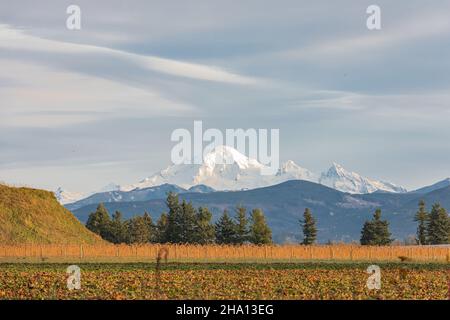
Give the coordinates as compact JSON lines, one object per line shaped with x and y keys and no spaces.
{"x":340,"y":215}
{"x":224,"y":168}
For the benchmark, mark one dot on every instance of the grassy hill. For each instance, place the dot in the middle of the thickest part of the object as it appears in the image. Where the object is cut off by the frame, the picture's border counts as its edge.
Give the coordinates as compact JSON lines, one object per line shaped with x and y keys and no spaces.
{"x":35,"y":216}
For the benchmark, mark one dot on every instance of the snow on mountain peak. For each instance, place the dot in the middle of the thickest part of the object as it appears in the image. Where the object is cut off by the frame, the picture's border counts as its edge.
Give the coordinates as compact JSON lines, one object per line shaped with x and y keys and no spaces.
{"x":65,"y":197}
{"x":294,"y":171}
{"x":337,"y":170}
{"x":224,"y":168}
{"x":340,"y":179}
{"x":223,"y":155}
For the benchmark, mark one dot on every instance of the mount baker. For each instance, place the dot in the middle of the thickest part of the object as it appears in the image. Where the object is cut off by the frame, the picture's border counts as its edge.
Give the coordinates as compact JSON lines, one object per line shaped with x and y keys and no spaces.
{"x":226,"y":169}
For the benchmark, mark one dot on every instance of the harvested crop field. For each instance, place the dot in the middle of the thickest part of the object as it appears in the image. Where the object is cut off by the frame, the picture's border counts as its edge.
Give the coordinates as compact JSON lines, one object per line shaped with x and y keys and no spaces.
{"x":225,"y":281}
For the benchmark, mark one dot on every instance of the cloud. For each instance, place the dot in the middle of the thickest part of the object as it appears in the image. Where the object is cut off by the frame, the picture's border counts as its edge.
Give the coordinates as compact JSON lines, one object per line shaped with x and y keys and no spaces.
{"x":415,"y":28}
{"x":46,"y":97}
{"x":114,"y":91}
{"x":16,"y":39}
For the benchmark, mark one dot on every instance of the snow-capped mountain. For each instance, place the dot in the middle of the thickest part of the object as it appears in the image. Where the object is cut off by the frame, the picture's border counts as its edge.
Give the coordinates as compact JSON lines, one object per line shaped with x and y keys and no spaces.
{"x":65,"y":197}
{"x":340,"y":179}
{"x":224,"y":168}
{"x":291,"y":170}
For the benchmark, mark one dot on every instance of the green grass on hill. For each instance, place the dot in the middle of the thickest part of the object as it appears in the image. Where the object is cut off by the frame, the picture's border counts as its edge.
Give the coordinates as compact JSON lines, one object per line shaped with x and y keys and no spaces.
{"x":35,"y":216}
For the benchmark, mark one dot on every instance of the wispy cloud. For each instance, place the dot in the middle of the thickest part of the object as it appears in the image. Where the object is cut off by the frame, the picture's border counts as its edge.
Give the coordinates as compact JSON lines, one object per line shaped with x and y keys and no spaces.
{"x":17,"y":39}
{"x":416,"y":28}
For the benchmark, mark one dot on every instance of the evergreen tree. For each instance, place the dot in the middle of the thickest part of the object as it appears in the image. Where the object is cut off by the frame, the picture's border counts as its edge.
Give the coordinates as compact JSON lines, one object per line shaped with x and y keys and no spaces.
{"x":99,"y":222}
{"x":308,"y":227}
{"x":204,"y":231}
{"x":174,"y":227}
{"x":368,"y":233}
{"x":187,"y":222}
{"x":161,"y":229}
{"x":150,"y":226}
{"x":242,"y":231}
{"x":118,"y":228}
{"x":225,"y":229}
{"x":260,"y":232}
{"x":376,"y":232}
{"x":439,"y":226}
{"x":138,"y":231}
{"x":422,"y":218}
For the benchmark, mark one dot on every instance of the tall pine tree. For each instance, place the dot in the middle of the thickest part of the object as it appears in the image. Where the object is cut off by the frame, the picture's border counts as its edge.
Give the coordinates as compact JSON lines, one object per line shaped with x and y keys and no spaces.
{"x":422,"y":218}
{"x":309,"y":228}
{"x":225,"y":229}
{"x":161,"y":229}
{"x":118,"y":228}
{"x":439,"y":226}
{"x":242,"y":231}
{"x":187,"y":222}
{"x":148,"y":221}
{"x":174,"y":227}
{"x":204,"y":232}
{"x":99,"y":222}
{"x":260,"y":232}
{"x":138,"y":231}
{"x":376,"y":232}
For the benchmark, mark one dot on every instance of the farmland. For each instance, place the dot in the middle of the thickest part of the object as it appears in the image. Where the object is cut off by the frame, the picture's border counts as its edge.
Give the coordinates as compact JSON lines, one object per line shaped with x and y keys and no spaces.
{"x":221,"y":253}
{"x":223,"y":272}
{"x":225,"y":281}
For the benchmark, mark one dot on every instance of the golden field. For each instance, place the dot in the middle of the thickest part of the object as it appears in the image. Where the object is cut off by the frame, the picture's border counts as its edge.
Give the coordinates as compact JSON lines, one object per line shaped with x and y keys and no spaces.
{"x":222,"y":253}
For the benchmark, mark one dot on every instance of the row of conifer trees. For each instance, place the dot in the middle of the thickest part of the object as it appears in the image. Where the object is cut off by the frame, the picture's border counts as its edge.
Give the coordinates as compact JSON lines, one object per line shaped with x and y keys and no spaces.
{"x":433,"y":227}
{"x":182,"y":224}
{"x":185,"y":224}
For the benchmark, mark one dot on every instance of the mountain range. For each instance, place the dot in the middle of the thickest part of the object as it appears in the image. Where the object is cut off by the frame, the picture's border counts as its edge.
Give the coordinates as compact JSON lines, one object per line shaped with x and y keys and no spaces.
{"x":339,"y":215}
{"x":226,"y":169}
{"x":340,"y":200}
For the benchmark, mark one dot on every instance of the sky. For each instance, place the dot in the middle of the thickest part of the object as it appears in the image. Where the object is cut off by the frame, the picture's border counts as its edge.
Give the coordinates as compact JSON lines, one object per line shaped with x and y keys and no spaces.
{"x":83,"y":108}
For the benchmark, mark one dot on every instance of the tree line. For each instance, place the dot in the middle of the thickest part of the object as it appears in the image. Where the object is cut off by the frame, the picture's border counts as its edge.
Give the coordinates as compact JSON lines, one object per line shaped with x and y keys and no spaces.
{"x":182,"y":224}
{"x":433,"y":227}
{"x":185,"y":224}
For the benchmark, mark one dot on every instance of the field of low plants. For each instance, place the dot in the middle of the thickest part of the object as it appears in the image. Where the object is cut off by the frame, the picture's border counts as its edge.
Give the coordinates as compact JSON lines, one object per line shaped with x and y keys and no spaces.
{"x":225,"y":281}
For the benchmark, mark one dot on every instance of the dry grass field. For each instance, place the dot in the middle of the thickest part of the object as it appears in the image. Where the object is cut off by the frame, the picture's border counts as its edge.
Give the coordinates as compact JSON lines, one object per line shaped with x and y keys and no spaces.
{"x":221,"y":253}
